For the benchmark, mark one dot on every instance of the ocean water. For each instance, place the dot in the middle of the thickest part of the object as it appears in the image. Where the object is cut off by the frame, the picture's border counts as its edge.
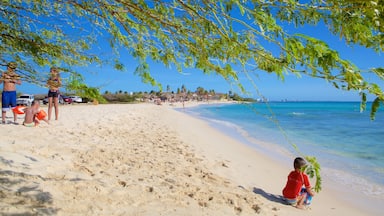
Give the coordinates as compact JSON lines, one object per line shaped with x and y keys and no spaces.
{"x":347,"y":144}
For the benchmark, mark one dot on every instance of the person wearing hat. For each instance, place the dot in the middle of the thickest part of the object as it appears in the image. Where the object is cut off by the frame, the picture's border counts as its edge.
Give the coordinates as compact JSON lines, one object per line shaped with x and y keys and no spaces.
{"x":9,"y":79}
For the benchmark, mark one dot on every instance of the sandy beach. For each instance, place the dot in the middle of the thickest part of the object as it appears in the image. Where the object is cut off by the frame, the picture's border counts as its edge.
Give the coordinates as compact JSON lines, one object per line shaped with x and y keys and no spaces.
{"x":142,"y":159}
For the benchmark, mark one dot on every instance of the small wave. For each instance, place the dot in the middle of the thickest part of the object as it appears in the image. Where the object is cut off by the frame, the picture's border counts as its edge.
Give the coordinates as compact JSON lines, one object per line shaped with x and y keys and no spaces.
{"x":298,"y":113}
{"x":357,"y":183}
{"x":229,"y":125}
{"x":226,"y":123}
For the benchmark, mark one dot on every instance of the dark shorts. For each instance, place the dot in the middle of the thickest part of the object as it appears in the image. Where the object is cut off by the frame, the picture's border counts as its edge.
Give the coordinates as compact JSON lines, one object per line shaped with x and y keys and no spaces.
{"x":53,"y":94}
{"x":8,"y":100}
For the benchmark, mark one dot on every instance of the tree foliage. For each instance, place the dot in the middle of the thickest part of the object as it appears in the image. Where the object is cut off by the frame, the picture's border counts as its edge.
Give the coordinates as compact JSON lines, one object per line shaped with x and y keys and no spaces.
{"x":213,"y":36}
{"x":76,"y":85}
{"x":313,"y":170}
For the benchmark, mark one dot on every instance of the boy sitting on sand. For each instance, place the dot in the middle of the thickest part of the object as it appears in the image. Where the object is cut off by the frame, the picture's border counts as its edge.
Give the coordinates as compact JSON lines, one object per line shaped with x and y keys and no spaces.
{"x":294,"y":192}
{"x":32,"y":116}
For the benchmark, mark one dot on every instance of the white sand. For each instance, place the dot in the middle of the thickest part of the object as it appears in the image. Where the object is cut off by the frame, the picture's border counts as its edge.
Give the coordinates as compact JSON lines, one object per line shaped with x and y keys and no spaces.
{"x":140,"y":159}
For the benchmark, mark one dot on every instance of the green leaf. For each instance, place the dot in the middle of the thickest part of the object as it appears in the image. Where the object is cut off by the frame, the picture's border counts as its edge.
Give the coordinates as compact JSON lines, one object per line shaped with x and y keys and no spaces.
{"x":375,"y":106}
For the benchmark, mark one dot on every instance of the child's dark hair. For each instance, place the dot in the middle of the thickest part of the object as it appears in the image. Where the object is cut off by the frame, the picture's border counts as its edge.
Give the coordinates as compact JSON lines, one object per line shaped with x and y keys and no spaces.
{"x":298,"y":163}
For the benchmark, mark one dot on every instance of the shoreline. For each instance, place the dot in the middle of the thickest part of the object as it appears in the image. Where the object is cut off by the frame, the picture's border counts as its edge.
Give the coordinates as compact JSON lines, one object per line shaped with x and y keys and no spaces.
{"x":141,"y":159}
{"x":371,"y":203}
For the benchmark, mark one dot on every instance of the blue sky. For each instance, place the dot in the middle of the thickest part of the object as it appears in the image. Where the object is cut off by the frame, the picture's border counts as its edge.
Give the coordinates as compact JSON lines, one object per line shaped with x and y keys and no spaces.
{"x":292,"y":88}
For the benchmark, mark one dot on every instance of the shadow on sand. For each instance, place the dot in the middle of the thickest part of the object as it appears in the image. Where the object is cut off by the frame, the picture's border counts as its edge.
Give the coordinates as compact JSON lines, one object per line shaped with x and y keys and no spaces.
{"x":269,"y":196}
{"x":21,"y":194}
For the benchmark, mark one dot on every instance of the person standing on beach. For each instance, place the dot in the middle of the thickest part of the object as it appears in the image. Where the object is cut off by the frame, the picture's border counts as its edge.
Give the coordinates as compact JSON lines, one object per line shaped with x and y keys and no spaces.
{"x":53,"y":83}
{"x":9,"y":79}
{"x":294,"y":192}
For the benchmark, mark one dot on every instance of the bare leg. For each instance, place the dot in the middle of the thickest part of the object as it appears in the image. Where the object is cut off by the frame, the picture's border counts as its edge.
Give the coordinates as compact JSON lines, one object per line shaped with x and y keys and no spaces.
{"x":300,"y":201}
{"x":50,"y":104}
{"x":56,"y":103}
{"x":14,"y":117}
{"x":3,"y":115}
{"x":36,"y":122}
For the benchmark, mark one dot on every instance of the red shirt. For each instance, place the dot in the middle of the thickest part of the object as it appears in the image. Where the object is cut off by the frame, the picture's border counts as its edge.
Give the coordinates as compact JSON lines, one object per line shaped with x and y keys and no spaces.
{"x":295,"y":182}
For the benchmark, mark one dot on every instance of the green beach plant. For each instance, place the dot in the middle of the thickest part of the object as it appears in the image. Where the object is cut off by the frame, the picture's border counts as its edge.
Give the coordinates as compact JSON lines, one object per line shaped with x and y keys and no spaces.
{"x":76,"y":86}
{"x":313,"y":171}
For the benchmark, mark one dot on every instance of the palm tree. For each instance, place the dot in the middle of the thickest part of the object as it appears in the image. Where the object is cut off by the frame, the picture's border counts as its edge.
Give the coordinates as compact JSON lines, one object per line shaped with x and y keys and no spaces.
{"x":200,"y":90}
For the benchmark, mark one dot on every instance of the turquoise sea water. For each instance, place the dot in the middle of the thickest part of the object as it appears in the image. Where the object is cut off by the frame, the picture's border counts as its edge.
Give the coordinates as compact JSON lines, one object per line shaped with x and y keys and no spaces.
{"x":348,"y":145}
